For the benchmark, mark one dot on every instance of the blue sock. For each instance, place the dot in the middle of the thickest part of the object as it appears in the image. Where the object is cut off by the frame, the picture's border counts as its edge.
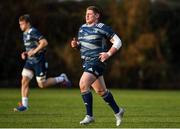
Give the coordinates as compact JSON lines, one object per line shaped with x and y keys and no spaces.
{"x":109,"y":99}
{"x":88,"y":100}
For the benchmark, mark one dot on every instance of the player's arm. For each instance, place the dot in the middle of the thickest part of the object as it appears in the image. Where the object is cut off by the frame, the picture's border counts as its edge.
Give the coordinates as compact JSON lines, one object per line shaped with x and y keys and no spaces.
{"x":24,"y":55}
{"x":42,"y":44}
{"x":116,"y":41}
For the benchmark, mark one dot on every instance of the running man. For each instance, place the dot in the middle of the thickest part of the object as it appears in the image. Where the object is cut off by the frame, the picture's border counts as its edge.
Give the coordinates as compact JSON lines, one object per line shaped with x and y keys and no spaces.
{"x":35,"y":44}
{"x":91,"y":42}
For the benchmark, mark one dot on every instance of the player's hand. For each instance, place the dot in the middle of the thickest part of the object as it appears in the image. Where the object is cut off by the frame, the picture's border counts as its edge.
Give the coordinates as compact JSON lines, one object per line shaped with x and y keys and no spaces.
{"x":24,"y":55}
{"x":31,"y":53}
{"x":103,"y":56}
{"x":74,"y":43}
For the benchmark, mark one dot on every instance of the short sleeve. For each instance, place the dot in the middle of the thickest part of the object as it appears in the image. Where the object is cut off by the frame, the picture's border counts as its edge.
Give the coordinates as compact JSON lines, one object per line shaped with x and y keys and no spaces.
{"x":106,"y":30}
{"x":35,"y":34}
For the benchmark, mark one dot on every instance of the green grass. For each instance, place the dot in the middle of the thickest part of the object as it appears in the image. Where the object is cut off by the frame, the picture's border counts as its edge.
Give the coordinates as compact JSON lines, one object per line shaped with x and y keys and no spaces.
{"x":63,"y":108}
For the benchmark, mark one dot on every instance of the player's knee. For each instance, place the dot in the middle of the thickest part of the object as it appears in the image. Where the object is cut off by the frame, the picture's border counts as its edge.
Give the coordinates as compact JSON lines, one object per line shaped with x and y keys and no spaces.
{"x":101,"y":92}
{"x":25,"y":81}
{"x":41,"y":84}
{"x":83,"y":86}
{"x":41,"y":81}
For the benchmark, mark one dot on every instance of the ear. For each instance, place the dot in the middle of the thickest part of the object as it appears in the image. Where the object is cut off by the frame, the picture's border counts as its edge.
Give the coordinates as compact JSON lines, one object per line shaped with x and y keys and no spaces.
{"x":29,"y":24}
{"x":97,"y":15}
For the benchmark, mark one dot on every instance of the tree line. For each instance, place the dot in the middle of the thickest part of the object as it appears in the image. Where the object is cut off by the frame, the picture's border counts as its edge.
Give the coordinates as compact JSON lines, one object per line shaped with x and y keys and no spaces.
{"x":149,"y":57}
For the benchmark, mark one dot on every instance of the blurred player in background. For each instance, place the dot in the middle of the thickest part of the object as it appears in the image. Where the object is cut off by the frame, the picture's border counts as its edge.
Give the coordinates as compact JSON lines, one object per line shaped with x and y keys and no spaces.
{"x":35,"y":44}
{"x":91,"y":42}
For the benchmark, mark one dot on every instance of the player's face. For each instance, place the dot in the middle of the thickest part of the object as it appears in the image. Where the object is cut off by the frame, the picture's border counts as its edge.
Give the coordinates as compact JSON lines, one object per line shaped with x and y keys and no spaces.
{"x":23,"y":25}
{"x":91,"y":17}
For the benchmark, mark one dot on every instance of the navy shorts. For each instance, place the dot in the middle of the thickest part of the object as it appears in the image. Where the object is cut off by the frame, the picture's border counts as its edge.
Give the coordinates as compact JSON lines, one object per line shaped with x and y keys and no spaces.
{"x":39,"y":68}
{"x":97,"y":68}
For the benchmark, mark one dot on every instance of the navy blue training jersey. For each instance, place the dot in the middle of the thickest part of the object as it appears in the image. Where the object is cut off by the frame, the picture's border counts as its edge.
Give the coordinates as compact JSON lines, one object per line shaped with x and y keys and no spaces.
{"x":31,"y":41}
{"x":92,"y":40}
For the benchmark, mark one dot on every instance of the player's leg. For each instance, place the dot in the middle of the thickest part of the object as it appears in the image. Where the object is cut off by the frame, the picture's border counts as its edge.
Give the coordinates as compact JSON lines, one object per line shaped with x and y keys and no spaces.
{"x":100,"y":88}
{"x":43,"y":82}
{"x":41,"y":70}
{"x":86,"y":81}
{"x":27,"y":75}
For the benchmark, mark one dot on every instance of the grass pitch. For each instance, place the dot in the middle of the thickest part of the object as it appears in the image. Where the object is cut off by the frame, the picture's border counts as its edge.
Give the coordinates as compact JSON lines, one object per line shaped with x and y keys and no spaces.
{"x":63,"y":108}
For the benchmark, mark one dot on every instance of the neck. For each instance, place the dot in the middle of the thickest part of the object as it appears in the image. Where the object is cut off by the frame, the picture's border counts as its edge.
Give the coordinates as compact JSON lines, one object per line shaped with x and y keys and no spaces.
{"x":93,"y":23}
{"x":27,"y":29}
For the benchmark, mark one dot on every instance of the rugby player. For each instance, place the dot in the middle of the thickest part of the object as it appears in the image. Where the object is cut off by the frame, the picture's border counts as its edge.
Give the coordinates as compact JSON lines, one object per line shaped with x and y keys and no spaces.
{"x":92,"y":37}
{"x":35,"y":62}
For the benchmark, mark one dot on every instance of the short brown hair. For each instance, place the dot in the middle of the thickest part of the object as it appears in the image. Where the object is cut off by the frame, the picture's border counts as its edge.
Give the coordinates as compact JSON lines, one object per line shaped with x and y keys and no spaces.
{"x":26,"y":18}
{"x":95,"y":9}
